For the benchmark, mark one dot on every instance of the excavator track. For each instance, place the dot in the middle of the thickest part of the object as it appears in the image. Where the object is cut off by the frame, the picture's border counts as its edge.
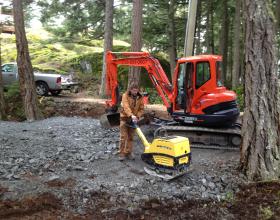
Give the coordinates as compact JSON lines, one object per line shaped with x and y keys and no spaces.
{"x":201,"y":137}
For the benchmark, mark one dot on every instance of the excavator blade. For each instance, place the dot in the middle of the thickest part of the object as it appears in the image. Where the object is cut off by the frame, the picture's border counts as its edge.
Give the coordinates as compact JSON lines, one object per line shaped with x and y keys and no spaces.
{"x":110,"y":120}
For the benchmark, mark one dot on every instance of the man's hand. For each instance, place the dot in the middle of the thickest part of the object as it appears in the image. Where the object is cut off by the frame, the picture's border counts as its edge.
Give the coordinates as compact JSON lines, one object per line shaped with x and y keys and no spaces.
{"x":134,"y":118}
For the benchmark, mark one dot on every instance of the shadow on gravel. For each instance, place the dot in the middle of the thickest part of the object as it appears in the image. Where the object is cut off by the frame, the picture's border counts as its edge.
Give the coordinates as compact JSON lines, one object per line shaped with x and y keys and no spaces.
{"x":254,"y":201}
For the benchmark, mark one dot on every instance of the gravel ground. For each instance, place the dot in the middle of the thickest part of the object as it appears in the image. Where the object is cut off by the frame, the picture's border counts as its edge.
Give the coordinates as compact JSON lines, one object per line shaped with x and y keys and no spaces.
{"x":75,"y":159}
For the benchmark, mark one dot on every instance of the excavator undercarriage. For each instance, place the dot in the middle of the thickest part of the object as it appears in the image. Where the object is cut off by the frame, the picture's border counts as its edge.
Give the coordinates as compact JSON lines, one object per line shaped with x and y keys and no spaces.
{"x":228,"y":138}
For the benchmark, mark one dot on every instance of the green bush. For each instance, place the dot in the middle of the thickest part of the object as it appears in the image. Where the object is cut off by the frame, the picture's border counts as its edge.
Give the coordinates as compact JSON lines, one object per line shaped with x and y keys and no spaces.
{"x":12,"y":91}
{"x":14,"y":105}
{"x":154,"y":97}
{"x":240,"y":97}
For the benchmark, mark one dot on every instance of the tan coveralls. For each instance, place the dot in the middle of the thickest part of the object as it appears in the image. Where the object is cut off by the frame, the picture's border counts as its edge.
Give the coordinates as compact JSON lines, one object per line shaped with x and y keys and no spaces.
{"x":130,"y":106}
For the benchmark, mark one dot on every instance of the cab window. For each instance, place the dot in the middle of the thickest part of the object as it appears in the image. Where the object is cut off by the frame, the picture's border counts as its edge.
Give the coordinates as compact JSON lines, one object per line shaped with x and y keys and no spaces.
{"x":219,"y":71}
{"x":8,"y":68}
{"x":181,"y":83}
{"x":181,"y":77}
{"x":202,"y":73}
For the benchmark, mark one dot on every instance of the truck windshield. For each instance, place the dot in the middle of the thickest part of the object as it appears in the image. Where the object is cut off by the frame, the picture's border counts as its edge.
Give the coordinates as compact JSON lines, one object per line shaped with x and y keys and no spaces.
{"x":219,"y":70}
{"x":7,"y":68}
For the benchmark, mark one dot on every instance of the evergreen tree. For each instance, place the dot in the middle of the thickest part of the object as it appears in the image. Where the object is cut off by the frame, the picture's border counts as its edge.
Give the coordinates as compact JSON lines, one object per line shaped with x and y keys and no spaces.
{"x":108,"y":41}
{"x":260,"y":130}
{"x":136,"y":38}
{"x":25,"y":70}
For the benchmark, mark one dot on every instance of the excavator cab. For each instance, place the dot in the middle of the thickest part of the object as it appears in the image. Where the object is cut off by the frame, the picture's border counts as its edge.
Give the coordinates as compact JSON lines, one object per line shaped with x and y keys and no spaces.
{"x":199,"y":95}
{"x":184,"y":87}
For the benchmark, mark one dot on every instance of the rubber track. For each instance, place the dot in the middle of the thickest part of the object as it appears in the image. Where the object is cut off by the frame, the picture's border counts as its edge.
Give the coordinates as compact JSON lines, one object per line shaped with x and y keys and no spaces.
{"x":221,"y":136}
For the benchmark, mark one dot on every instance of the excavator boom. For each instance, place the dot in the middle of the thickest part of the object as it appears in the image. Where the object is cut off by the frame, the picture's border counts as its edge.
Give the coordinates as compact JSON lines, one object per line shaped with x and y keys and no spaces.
{"x":138,"y":59}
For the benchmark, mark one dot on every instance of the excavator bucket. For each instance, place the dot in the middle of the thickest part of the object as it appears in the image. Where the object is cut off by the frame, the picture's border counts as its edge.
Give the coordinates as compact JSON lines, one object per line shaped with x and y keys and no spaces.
{"x":110,"y":120}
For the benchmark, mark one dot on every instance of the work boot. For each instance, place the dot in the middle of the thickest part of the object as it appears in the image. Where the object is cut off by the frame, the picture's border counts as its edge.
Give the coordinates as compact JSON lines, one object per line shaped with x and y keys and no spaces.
{"x":131,"y":156}
{"x":121,"y":157}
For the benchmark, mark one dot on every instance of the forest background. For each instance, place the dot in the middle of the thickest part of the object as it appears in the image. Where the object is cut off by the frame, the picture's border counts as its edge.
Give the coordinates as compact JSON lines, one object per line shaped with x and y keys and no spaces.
{"x":70,"y":40}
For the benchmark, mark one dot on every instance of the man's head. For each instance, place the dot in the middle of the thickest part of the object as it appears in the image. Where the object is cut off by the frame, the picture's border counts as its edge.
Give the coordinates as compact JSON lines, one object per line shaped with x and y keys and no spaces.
{"x":133,"y":88}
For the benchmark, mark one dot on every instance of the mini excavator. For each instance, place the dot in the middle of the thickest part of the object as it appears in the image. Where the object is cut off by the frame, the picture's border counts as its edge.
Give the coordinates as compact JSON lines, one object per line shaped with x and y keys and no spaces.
{"x":201,"y":107}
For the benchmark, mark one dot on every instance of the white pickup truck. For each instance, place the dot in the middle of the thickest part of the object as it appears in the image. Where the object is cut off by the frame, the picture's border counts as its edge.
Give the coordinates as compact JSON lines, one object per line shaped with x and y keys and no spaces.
{"x":45,"y":83}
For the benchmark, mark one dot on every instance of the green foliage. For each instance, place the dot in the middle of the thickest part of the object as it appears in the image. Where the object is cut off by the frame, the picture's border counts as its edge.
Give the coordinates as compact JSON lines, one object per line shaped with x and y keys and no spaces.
{"x":240,"y":97}
{"x":85,"y":18}
{"x":12,"y":90}
{"x":51,"y":54}
{"x":266,"y":212}
{"x":154,"y":97}
{"x":95,"y":59}
{"x":229,"y":197}
{"x":14,"y":105}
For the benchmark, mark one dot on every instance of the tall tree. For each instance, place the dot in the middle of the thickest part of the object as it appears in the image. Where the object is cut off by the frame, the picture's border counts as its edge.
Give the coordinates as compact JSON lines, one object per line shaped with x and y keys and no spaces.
{"x":2,"y":102}
{"x":136,"y":37}
{"x":108,"y":40}
{"x":260,"y":153}
{"x":236,"y":45}
{"x":172,"y":50}
{"x":198,"y":49}
{"x":278,"y":14}
{"x":25,"y":70}
{"x":210,"y":28}
{"x":224,"y":38}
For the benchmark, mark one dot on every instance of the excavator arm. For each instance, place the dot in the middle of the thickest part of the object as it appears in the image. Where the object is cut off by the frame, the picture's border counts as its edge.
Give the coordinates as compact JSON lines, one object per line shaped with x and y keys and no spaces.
{"x":138,"y":59}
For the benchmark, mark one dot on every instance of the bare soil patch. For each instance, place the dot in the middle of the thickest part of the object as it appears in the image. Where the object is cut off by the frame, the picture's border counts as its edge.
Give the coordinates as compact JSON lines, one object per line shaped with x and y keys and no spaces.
{"x":254,"y":201}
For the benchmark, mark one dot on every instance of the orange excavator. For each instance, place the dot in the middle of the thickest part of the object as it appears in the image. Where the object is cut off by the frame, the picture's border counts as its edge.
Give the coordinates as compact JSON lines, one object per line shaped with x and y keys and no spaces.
{"x":201,"y":107}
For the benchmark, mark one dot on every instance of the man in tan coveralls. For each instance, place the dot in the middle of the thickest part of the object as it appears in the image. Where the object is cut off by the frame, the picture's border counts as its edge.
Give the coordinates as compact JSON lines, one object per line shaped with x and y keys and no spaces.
{"x":132,"y":110}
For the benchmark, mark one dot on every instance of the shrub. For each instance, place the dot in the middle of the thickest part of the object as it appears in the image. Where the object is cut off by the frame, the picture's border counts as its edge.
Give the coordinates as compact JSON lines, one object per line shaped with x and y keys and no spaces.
{"x":14,"y":105}
{"x":240,"y":97}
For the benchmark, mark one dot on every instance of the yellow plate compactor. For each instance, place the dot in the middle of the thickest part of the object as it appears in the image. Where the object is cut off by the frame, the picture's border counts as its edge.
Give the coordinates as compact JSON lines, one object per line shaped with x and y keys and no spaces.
{"x":166,"y":157}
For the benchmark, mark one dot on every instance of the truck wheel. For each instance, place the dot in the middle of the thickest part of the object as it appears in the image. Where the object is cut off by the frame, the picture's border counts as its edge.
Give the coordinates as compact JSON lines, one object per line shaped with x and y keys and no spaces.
{"x":42,"y":89}
{"x":55,"y":92}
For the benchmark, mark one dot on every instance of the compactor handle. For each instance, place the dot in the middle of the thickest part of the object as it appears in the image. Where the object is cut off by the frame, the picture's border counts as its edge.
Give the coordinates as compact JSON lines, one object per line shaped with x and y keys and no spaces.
{"x":141,"y":135}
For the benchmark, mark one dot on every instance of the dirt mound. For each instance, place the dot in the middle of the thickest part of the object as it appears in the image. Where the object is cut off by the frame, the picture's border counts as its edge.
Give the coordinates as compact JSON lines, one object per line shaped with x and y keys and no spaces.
{"x":28,"y":206}
{"x":257,"y":201}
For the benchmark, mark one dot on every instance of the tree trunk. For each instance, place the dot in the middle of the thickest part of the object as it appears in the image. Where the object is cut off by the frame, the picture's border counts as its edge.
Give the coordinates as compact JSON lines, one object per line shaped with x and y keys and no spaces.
{"x":172,"y":36}
{"x":136,"y":38}
{"x":260,"y":153}
{"x":224,"y":39}
{"x":242,"y":46}
{"x":2,"y":102}
{"x":25,"y":70}
{"x":198,"y":29}
{"x":108,"y":41}
{"x":210,"y":28}
{"x":236,"y":46}
{"x":278,"y":14}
